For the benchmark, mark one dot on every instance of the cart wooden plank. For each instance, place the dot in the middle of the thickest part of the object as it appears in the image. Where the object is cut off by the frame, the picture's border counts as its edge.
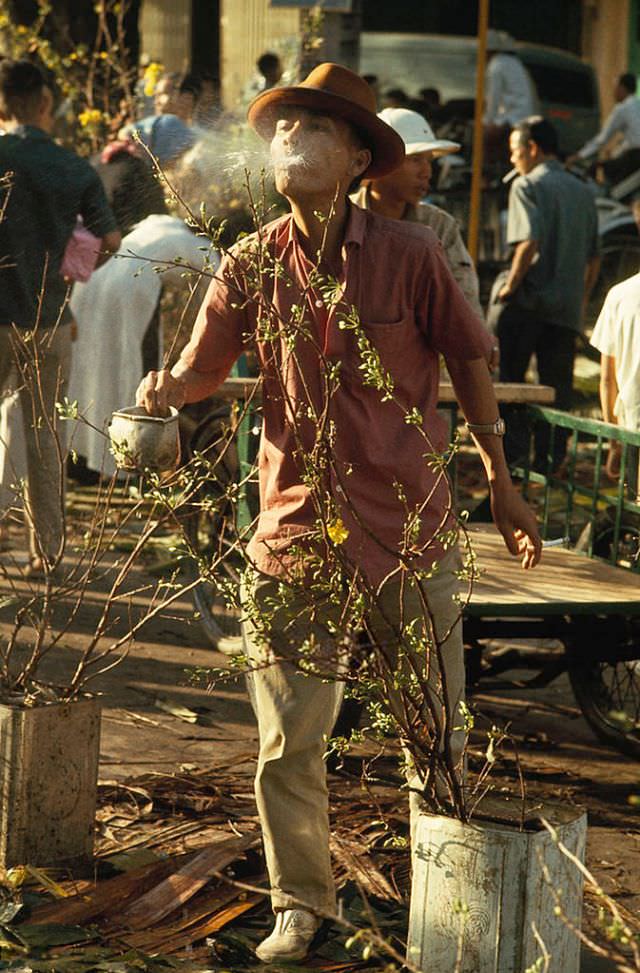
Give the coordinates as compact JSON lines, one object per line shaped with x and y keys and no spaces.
{"x":563,"y":583}
{"x":521,"y":392}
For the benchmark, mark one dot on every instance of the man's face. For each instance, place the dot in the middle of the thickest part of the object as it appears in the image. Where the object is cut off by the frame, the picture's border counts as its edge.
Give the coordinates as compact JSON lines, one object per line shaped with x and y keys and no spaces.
{"x":314,"y":154}
{"x":410,"y":182}
{"x":184,"y":104}
{"x":523,"y":155}
{"x":46,"y":110}
{"x":620,"y":92}
{"x":164,"y":97}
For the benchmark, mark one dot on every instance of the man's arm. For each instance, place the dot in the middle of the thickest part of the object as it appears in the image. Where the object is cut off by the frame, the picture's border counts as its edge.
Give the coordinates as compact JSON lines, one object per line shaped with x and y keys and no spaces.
{"x":512,"y":516}
{"x":158,"y":390}
{"x":608,"y":395}
{"x":608,"y":387}
{"x":493,"y":81}
{"x":614,"y":123}
{"x":465,"y":276}
{"x":109,"y":244}
{"x":522,"y":259}
{"x":215,"y":343}
{"x":461,"y":266}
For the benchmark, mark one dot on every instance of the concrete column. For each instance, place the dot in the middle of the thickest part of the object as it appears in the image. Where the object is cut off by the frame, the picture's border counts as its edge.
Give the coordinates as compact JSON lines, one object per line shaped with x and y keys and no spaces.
{"x":606,"y":26}
{"x":165,"y":32}
{"x":247,"y":30}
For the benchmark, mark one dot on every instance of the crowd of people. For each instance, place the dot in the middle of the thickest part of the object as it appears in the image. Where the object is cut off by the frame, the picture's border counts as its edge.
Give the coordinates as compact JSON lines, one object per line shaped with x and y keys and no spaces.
{"x":536,"y":306}
{"x":342,"y":148}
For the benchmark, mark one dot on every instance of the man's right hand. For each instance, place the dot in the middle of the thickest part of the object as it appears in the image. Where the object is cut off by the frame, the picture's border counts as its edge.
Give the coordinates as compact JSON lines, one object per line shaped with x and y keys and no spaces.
{"x":159,"y":390}
{"x":614,"y":460}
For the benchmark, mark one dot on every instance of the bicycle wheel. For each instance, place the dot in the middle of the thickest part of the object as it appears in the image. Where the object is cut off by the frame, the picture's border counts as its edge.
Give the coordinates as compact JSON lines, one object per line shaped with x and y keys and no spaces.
{"x":608,"y":692}
{"x":628,"y":546}
{"x":208,"y":528}
{"x":218,"y":621}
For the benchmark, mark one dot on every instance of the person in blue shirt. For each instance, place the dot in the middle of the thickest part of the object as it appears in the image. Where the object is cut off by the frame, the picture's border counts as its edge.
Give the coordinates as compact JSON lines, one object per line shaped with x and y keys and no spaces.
{"x":45,"y":188}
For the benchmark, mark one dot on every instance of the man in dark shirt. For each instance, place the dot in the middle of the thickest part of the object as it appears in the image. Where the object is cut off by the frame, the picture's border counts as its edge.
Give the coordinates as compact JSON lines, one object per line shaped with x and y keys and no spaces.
{"x":553,"y":230}
{"x":47,"y":188}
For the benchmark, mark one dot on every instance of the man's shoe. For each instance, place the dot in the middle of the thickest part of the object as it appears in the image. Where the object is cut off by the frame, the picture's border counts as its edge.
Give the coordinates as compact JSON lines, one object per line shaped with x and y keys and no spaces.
{"x":291,"y":938}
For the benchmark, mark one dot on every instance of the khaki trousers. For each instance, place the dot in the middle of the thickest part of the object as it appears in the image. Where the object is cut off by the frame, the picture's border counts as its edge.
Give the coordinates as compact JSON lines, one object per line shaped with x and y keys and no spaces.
{"x":296,"y":714}
{"x":44,"y":495}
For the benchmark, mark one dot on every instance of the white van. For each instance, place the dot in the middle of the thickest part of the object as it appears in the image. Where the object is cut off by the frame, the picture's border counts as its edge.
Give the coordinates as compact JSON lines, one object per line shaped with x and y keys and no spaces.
{"x":566,"y":87}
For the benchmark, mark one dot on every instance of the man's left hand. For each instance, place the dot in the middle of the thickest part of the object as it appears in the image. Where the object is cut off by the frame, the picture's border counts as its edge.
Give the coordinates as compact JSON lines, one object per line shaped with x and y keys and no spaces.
{"x":516,"y":522}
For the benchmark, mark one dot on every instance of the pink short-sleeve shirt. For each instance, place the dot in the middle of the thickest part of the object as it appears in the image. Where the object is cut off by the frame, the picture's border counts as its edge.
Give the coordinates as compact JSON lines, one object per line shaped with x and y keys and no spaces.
{"x":412,"y":311}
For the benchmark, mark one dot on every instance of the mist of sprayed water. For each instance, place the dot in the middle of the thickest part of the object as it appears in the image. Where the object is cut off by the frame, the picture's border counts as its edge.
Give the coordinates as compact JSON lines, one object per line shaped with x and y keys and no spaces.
{"x":233,"y":152}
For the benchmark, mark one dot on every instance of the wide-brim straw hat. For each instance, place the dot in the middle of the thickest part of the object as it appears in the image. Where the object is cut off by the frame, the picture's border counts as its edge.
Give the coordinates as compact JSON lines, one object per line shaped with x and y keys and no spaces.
{"x":335,"y":91}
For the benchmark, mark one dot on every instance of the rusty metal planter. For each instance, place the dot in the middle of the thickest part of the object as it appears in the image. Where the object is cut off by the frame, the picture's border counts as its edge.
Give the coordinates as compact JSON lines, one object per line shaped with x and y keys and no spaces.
{"x":48,"y":781}
{"x":482,"y":899}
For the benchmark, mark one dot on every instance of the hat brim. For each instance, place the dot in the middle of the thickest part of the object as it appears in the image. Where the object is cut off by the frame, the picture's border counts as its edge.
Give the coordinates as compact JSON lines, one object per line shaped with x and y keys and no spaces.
{"x":387,"y":148}
{"x":437,"y":148}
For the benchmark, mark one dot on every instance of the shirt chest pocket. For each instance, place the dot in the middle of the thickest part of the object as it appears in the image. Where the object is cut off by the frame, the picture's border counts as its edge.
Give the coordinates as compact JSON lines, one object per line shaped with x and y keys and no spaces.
{"x":393,"y":342}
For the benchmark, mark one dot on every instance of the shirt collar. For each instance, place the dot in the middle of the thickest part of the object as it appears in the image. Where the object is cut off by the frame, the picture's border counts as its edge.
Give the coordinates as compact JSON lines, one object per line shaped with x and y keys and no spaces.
{"x":29,"y":131}
{"x":356,"y":223}
{"x":354,"y":232}
{"x":545,"y":166}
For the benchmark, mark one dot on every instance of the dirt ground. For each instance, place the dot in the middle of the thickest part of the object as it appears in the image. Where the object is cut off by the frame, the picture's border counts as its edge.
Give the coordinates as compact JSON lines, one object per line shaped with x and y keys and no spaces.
{"x":150,"y":699}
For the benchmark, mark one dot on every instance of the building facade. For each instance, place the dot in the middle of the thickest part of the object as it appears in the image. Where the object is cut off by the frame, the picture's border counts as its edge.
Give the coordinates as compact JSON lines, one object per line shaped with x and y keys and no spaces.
{"x":225,"y":37}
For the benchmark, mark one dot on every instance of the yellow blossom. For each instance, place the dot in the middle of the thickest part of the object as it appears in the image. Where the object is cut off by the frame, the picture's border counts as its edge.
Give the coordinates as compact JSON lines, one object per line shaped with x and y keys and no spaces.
{"x":151,"y":75}
{"x":337,"y":532}
{"x":91,"y":116}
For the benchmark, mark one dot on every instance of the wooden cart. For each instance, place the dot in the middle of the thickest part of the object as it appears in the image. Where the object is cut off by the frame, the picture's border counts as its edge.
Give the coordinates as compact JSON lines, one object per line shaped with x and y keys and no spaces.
{"x":585,"y":593}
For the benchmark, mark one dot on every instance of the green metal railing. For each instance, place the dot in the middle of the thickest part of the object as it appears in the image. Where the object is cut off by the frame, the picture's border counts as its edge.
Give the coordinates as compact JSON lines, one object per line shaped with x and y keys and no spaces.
{"x":607,"y":506}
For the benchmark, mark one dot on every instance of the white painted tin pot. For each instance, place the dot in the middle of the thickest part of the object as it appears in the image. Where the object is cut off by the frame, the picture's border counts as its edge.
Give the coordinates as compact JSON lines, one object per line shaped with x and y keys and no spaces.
{"x":48,"y":781}
{"x":480,"y":899}
{"x":142,"y":442}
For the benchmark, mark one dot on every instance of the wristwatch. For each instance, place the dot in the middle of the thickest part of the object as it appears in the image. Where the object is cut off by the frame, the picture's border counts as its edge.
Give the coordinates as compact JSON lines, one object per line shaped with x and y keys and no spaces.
{"x":497,"y":428}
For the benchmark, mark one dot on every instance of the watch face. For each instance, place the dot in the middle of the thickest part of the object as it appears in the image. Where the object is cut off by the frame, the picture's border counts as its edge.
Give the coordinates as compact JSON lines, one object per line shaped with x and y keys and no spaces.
{"x":500,"y":427}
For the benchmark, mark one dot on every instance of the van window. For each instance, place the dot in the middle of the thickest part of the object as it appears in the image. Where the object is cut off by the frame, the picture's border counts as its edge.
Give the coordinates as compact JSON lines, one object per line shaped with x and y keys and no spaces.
{"x":558,"y":85}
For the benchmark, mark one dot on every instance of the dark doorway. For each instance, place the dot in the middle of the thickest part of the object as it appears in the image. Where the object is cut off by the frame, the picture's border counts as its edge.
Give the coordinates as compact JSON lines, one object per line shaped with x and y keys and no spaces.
{"x":205,"y":37}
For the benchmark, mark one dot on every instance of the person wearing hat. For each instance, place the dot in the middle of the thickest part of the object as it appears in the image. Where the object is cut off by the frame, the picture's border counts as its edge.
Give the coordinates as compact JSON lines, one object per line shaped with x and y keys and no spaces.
{"x":399,"y":195}
{"x":165,"y":135}
{"x":509,"y":93}
{"x":324,"y":134}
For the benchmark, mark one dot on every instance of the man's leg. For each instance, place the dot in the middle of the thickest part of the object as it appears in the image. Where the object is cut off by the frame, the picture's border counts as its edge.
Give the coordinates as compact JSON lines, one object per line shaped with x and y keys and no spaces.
{"x":295,"y":714}
{"x":6,"y":495}
{"x":6,"y":357}
{"x":555,"y":352}
{"x":44,"y":500}
{"x":517,"y":333}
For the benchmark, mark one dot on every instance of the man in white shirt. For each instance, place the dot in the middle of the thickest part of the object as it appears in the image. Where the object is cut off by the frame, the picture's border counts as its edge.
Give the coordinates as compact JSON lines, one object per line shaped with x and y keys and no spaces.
{"x":623,"y":122}
{"x":617,"y":337}
{"x":509,"y":93}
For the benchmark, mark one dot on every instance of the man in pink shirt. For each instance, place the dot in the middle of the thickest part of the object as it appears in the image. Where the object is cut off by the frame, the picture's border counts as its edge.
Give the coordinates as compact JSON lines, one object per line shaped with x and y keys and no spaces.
{"x":325,"y":135}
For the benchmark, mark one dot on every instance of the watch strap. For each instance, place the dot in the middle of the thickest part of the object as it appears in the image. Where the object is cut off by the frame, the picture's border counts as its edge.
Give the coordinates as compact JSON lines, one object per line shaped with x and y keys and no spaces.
{"x":496,"y":428}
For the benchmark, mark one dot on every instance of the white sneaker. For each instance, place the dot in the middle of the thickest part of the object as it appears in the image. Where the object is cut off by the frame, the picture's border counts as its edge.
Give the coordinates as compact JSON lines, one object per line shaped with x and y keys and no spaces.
{"x":291,"y":937}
